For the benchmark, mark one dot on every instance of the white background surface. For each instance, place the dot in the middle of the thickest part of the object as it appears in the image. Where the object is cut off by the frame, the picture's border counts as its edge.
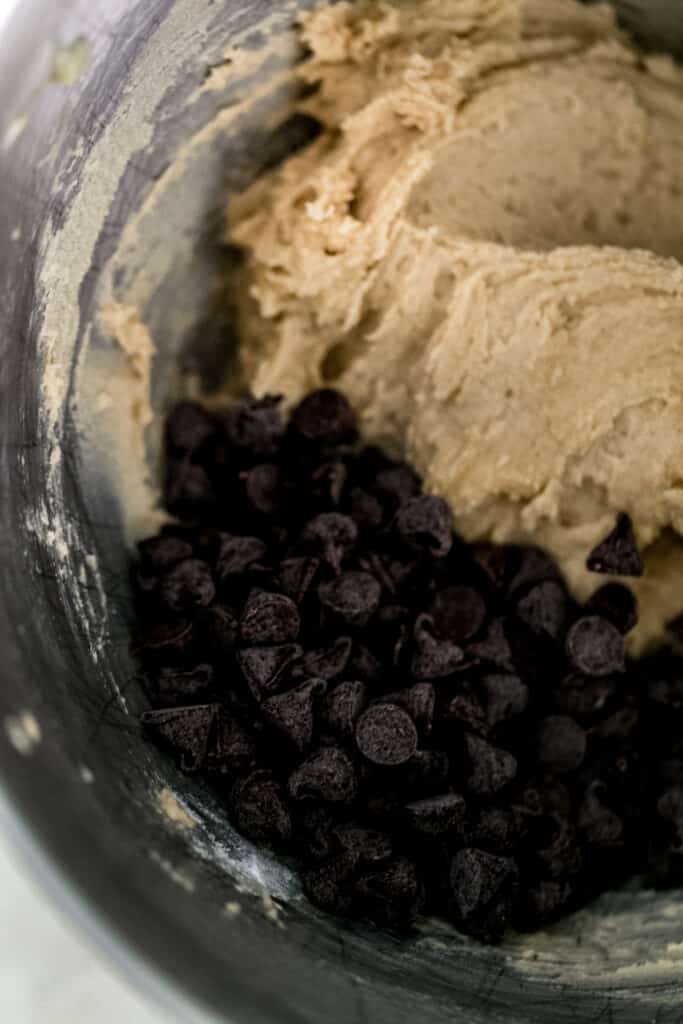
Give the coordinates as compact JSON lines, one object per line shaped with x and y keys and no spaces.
{"x":47,"y":972}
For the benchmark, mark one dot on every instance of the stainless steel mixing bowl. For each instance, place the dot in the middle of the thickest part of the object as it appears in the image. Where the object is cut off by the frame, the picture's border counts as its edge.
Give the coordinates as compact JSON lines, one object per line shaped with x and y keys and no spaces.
{"x":90,"y":146}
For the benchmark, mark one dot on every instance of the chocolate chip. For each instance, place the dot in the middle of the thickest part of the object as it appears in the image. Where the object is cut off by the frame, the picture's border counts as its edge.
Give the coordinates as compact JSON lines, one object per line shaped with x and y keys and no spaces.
{"x":596,"y":647}
{"x":185,"y":730}
{"x":391,"y":896}
{"x":600,"y":826}
{"x":291,"y":713}
{"x":352,"y":598}
{"x":188,"y":493}
{"x":189,"y":428}
{"x":325,"y":663}
{"x":436,"y":815}
{"x":260,"y":809}
{"x":255,"y":426}
{"x":426,"y":773}
{"x":264,"y":668}
{"x":561,"y":744}
{"x":332,"y":536}
{"x":534,"y":566}
{"x":433,"y":658}
{"x":217,"y":630}
{"x":171,"y":686}
{"x":544,"y":608}
{"x":296,"y":576}
{"x":363,"y":846}
{"x":364,"y":665}
{"x":618,"y":553}
{"x":236,"y":555}
{"x":496,"y":829}
{"x":491,"y":769}
{"x":497,"y":565}
{"x":583,"y":697}
{"x":465,"y":708}
{"x":326,"y":887}
{"x":419,"y":701}
{"x":159,"y":554}
{"x":327,"y":775}
{"x":617,"y":603}
{"x":342,"y":708}
{"x":494,"y":648}
{"x":263,"y":489}
{"x":558,"y":853}
{"x":386,"y":735}
{"x":542,"y":904}
{"x":269,"y":619}
{"x":164,"y":642}
{"x":187,"y":586}
{"x":325,"y":417}
{"x":478,"y":881}
{"x":397,"y":484}
{"x":459,"y":613}
{"x":505,"y":697}
{"x":327,"y":484}
{"x":366,"y":511}
{"x":425,"y":524}
{"x":232,"y":749}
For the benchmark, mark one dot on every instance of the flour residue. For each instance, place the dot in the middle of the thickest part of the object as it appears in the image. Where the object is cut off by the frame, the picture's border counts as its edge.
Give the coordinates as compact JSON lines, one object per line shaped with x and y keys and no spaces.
{"x":24,"y":732}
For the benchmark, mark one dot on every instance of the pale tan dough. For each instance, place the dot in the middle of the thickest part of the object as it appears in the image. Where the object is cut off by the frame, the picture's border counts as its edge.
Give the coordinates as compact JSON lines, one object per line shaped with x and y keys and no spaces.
{"x":484,"y":251}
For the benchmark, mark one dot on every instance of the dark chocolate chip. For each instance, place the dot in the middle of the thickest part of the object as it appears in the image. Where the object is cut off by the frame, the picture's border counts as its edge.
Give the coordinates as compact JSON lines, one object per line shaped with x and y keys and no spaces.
{"x":478,"y":880}
{"x":364,"y":665}
{"x":189,"y":428}
{"x":558,"y":853}
{"x":342,"y":708}
{"x":397,"y":484}
{"x":327,"y":775}
{"x":236,"y":555}
{"x":541,"y":905}
{"x":498,"y":564}
{"x":260,"y":809}
{"x":619,"y":726}
{"x":217,"y":631}
{"x":164,"y":642}
{"x":391,"y":896}
{"x":583,"y":697}
{"x":325,"y":663}
{"x":600,"y":826}
{"x":386,"y":735}
{"x":419,"y":701}
{"x":332,"y":536}
{"x":535,"y":566}
{"x":466,"y":709}
{"x":325,"y":417}
{"x":161,"y":553}
{"x":188,"y":586}
{"x":172,"y":686}
{"x":491,"y":769}
{"x":363,"y":846}
{"x":618,"y":554}
{"x":263,"y":489}
{"x":459,"y":613}
{"x":544,"y":608}
{"x":265,"y":668}
{"x":436,"y":815}
{"x":255,"y":426}
{"x":425,"y":524}
{"x":327,"y":485}
{"x":352,"y":598}
{"x":596,"y":647}
{"x":366,"y":511}
{"x":326,"y":886}
{"x":496,"y":829}
{"x":269,"y":619}
{"x":493,"y":648}
{"x":426,"y":773}
{"x":296,"y":576}
{"x":617,"y":603}
{"x":316,"y":825}
{"x":232,"y":749}
{"x":188,"y":493}
{"x":185,"y":730}
{"x":505,"y":697}
{"x":434,"y":658}
{"x":291,"y":713}
{"x":561,"y":744}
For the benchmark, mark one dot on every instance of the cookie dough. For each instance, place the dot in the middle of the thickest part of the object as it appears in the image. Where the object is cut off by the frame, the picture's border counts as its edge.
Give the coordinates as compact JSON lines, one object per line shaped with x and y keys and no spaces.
{"x":483,"y":250}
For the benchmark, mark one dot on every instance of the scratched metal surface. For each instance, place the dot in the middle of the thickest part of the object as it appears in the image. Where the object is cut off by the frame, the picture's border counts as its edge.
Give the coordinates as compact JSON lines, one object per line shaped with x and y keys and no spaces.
{"x":92,"y":844}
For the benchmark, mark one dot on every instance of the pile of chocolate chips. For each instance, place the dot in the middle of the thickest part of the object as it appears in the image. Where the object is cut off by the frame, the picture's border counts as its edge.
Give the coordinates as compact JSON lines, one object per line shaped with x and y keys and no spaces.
{"x":426,"y":727}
